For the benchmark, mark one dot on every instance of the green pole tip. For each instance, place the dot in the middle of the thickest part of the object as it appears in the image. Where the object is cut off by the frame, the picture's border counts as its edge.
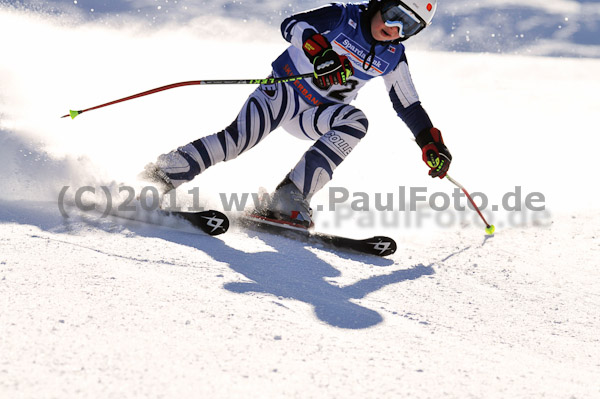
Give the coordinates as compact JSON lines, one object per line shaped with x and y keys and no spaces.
{"x":490,"y":229}
{"x":73,"y":114}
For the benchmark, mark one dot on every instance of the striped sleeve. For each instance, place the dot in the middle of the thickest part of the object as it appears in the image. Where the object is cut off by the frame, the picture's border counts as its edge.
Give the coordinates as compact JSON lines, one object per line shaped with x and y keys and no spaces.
{"x":299,"y":27}
{"x":405,"y":99}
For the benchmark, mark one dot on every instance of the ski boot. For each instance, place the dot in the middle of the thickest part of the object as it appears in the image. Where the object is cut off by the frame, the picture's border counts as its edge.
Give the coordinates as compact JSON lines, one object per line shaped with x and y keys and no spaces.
{"x":155,"y":176}
{"x":286,"y":206}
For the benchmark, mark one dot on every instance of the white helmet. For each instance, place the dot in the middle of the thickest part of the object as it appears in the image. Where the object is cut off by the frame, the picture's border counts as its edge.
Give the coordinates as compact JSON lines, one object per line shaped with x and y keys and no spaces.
{"x":423,"y":8}
{"x":409,"y":16}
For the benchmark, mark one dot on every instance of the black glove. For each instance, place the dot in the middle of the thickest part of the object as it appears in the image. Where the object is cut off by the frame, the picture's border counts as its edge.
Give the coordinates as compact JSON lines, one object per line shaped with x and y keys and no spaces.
{"x":435,"y":152}
{"x":330,"y":67}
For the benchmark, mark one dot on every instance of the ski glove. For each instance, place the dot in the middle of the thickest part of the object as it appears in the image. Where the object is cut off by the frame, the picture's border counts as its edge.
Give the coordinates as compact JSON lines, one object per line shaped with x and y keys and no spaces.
{"x":435,"y":152}
{"x":330,"y":67}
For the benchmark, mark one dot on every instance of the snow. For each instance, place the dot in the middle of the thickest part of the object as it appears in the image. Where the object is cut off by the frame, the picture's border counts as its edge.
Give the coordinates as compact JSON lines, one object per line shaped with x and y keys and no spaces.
{"x":103,"y":307}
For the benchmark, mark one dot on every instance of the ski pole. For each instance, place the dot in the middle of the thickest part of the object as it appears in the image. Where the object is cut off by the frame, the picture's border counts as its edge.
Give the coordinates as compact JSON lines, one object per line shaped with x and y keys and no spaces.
{"x":489,"y":228}
{"x":73,"y":114}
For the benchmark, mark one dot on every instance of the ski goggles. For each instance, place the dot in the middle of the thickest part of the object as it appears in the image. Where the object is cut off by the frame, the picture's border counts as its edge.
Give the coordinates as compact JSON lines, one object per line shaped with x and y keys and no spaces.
{"x":401,"y":17}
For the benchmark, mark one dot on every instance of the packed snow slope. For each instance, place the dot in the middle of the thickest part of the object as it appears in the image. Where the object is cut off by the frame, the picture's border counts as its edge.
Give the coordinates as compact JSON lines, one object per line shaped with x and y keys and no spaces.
{"x":94,"y":306}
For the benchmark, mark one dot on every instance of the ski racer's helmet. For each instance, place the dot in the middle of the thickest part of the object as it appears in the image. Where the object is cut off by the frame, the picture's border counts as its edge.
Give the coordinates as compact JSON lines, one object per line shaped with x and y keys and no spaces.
{"x":409,"y":16}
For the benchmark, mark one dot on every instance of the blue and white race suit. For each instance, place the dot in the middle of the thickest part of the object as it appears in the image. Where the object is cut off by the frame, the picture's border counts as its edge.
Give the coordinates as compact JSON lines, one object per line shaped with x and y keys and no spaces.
{"x":301,"y":108}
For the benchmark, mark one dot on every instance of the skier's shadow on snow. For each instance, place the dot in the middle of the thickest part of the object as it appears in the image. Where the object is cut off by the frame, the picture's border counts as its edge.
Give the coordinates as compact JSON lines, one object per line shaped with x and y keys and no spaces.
{"x":289,"y":271}
{"x":299,"y":274}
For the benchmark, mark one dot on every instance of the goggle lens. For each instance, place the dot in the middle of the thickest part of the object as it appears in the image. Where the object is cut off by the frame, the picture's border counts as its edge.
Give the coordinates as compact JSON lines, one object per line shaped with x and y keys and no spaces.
{"x":405,"y":20}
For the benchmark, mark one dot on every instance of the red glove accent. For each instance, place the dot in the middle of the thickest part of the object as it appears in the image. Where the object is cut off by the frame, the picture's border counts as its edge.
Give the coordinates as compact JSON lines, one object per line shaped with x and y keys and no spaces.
{"x":315,"y":46}
{"x":435,"y":152}
{"x":330,"y":67}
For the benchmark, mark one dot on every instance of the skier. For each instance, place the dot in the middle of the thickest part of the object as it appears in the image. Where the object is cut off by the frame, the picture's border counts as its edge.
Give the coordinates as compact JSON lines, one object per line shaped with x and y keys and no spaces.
{"x":345,"y":45}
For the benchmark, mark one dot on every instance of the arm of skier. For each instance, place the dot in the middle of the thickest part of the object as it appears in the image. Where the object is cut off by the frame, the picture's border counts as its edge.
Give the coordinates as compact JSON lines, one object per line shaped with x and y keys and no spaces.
{"x":406,"y":103}
{"x":306,"y":31}
{"x":297,"y":28}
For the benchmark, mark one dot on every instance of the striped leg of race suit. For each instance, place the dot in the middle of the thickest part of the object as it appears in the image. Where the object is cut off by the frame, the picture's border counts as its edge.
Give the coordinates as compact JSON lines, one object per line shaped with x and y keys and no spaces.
{"x":336,"y":128}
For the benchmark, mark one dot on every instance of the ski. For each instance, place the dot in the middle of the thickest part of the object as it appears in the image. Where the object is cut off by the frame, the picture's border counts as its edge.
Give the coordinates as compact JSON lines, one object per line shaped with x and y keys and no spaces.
{"x":211,"y":222}
{"x":378,"y":245}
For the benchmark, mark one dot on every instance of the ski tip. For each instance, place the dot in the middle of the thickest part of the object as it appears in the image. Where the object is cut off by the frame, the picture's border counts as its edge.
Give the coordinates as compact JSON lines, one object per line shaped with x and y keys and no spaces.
{"x":73,"y":114}
{"x":381,"y":245}
{"x":213,"y":222}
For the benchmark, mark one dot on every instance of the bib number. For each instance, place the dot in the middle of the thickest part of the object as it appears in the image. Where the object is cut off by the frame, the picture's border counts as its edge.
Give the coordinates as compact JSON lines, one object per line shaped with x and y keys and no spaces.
{"x":341,"y":95}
